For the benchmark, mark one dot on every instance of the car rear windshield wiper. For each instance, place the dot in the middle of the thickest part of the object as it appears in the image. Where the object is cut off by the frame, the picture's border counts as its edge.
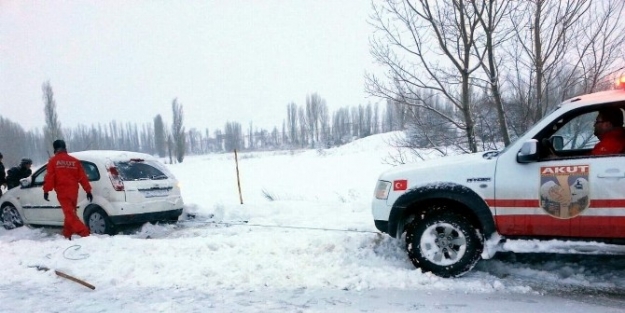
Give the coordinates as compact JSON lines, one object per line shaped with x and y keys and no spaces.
{"x":161,"y":176}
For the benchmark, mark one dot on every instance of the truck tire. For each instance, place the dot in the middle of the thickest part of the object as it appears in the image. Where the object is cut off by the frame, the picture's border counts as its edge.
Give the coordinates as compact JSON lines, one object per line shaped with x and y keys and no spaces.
{"x":444,"y":243}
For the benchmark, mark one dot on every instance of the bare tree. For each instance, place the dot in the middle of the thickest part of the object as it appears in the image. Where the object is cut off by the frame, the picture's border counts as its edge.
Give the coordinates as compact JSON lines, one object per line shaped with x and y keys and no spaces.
{"x":303,"y":126}
{"x":375,"y":123}
{"x":291,"y":122}
{"x":52,"y":129}
{"x":219,"y":140}
{"x":159,"y":136}
{"x":194,"y":138}
{"x":147,"y":139}
{"x":490,"y":20}
{"x":250,"y":135}
{"x":284,"y":137}
{"x":275,"y":138}
{"x":414,"y":41}
{"x":546,"y":31}
{"x":314,"y":107}
{"x":233,"y":137}
{"x":170,"y":148}
{"x":600,"y":46}
{"x":341,"y":132}
{"x":177,"y":131}
{"x":324,"y":124}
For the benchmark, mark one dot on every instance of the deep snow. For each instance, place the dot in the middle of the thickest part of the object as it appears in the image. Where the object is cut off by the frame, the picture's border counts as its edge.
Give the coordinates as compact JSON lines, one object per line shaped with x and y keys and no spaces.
{"x":303,"y":241}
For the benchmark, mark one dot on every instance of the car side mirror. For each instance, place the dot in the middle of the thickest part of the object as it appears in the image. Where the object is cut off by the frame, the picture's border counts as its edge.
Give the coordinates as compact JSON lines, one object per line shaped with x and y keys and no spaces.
{"x":557,"y":142}
{"x":25,"y":182}
{"x":528,"y":152}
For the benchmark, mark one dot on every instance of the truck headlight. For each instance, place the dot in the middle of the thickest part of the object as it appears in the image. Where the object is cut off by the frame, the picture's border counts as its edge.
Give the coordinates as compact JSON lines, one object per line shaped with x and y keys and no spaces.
{"x":382,"y":189}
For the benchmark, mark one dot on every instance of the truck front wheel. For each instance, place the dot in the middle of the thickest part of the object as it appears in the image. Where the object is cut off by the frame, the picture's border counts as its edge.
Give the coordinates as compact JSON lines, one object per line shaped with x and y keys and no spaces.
{"x":445,"y":243}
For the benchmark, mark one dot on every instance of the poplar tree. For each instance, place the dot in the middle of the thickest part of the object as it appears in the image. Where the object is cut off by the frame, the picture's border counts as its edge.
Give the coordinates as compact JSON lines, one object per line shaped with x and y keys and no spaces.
{"x":177,"y":131}
{"x":52,"y":129}
{"x":159,"y":136}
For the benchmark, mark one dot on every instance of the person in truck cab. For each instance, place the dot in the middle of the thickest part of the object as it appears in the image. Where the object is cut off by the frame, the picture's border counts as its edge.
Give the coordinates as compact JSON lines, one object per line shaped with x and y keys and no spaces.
{"x":609,"y":130}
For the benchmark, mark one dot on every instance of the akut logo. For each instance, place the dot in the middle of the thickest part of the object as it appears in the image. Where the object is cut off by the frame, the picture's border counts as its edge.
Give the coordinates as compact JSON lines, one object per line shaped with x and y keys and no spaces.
{"x":64,"y":163}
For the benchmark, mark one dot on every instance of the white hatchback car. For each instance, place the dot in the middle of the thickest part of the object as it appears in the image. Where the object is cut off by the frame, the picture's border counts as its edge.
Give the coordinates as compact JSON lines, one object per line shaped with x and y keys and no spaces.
{"x":127,"y":188}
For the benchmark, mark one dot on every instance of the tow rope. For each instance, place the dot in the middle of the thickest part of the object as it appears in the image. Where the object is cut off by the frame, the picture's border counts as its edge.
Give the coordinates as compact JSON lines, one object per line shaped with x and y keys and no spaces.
{"x":245,"y":223}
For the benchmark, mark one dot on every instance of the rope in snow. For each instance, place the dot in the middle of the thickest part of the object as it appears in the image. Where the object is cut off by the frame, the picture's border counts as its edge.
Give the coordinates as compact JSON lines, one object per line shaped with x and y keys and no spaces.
{"x":76,"y":248}
{"x":244,"y":223}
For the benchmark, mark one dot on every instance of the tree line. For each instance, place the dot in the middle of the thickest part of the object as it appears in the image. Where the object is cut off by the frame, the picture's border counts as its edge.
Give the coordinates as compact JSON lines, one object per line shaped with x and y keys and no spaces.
{"x":307,"y":126}
{"x":473,"y":75}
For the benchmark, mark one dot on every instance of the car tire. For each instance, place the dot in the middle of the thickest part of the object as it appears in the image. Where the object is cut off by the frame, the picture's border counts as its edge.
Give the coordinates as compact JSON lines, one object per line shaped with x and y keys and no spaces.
{"x":10,"y":218}
{"x":98,"y":221}
{"x":444,"y":243}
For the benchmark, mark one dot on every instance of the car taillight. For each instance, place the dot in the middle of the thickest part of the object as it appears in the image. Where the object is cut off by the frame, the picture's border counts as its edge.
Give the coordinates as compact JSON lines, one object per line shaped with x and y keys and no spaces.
{"x":116,"y":181}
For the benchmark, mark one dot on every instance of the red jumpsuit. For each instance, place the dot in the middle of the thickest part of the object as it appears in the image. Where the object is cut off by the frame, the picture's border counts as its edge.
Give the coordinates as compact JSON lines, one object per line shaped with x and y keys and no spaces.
{"x":612,"y":142}
{"x":64,"y":173}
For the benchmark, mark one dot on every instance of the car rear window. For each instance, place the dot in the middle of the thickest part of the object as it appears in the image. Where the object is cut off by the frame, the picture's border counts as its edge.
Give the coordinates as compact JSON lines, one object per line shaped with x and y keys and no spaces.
{"x":140,"y":170}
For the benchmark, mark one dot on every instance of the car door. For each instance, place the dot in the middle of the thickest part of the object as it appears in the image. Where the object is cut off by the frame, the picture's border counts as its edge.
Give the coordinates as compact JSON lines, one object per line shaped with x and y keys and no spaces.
{"x":39,"y":211}
{"x":36,"y":209}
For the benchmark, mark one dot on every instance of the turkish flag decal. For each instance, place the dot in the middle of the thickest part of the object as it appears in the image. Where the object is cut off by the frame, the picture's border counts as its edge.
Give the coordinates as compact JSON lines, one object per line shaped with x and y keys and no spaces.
{"x":400,"y":184}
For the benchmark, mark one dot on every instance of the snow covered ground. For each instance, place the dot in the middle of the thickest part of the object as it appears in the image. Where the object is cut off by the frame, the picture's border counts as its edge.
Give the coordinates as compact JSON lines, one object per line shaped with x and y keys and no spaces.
{"x":303,"y":241}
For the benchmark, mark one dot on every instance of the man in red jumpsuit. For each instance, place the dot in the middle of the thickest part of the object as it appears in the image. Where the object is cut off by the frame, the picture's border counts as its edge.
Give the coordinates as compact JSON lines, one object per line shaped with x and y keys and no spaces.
{"x":64,"y":173}
{"x":609,"y":130}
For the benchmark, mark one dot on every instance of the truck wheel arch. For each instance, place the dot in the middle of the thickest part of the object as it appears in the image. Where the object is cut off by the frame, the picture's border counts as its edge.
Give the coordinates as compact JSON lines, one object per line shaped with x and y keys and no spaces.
{"x":409,"y":203}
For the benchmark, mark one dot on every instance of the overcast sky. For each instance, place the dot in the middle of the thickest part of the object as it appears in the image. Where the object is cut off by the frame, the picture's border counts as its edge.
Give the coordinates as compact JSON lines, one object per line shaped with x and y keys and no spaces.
{"x":224,"y":60}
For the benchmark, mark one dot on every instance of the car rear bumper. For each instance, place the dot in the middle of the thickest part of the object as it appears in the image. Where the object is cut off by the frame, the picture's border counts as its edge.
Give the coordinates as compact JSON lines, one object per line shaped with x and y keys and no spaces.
{"x":171,"y":215}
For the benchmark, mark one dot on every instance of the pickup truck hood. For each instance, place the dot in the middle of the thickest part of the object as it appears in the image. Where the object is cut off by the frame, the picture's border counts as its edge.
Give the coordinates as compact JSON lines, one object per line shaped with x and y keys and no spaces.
{"x":457,"y":168}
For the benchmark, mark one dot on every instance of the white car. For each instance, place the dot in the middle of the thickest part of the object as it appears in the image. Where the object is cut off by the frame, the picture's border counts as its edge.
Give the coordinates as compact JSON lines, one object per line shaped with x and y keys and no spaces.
{"x":127,"y":188}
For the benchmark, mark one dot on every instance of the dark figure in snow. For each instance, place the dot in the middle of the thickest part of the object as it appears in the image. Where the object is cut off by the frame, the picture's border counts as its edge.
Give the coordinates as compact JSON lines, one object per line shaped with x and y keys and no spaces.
{"x":18,"y":172}
{"x":64,"y":173}
{"x":3,"y":176}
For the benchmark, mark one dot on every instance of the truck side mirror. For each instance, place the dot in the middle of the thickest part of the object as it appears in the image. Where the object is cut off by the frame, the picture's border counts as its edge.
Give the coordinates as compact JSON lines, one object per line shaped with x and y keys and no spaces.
{"x":528,"y":152}
{"x":557,"y":142}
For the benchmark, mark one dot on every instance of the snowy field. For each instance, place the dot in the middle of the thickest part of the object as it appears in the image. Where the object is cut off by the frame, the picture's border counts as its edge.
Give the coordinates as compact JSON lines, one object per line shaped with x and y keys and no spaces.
{"x":303,"y":241}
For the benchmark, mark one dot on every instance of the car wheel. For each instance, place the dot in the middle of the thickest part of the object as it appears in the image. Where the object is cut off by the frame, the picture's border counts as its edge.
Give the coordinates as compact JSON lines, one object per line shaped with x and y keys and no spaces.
{"x":10,"y":218}
{"x":446,"y":244}
{"x":98,"y":222}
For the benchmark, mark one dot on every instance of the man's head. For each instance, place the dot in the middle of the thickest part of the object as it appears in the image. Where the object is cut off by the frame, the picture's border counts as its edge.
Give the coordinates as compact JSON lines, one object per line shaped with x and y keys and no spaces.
{"x":59,"y":145}
{"x":608,"y":119}
{"x":26,"y":163}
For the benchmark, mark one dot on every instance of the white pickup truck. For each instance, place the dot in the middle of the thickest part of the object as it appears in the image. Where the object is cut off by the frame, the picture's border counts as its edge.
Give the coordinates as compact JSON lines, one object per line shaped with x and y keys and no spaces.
{"x":546,"y":185}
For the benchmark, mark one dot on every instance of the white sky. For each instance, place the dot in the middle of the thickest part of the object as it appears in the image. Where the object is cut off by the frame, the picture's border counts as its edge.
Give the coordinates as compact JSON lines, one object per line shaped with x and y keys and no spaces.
{"x":282,"y":260}
{"x":224,"y":60}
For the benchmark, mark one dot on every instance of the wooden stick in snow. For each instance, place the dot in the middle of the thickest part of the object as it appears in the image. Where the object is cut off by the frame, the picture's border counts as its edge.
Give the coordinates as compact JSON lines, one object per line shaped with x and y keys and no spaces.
{"x":72,"y":278}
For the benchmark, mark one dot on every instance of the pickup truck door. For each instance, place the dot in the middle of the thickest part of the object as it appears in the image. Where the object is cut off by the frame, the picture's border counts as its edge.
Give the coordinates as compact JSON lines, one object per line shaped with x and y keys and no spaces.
{"x":574,"y":194}
{"x":541,"y":198}
{"x":605,"y":217}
